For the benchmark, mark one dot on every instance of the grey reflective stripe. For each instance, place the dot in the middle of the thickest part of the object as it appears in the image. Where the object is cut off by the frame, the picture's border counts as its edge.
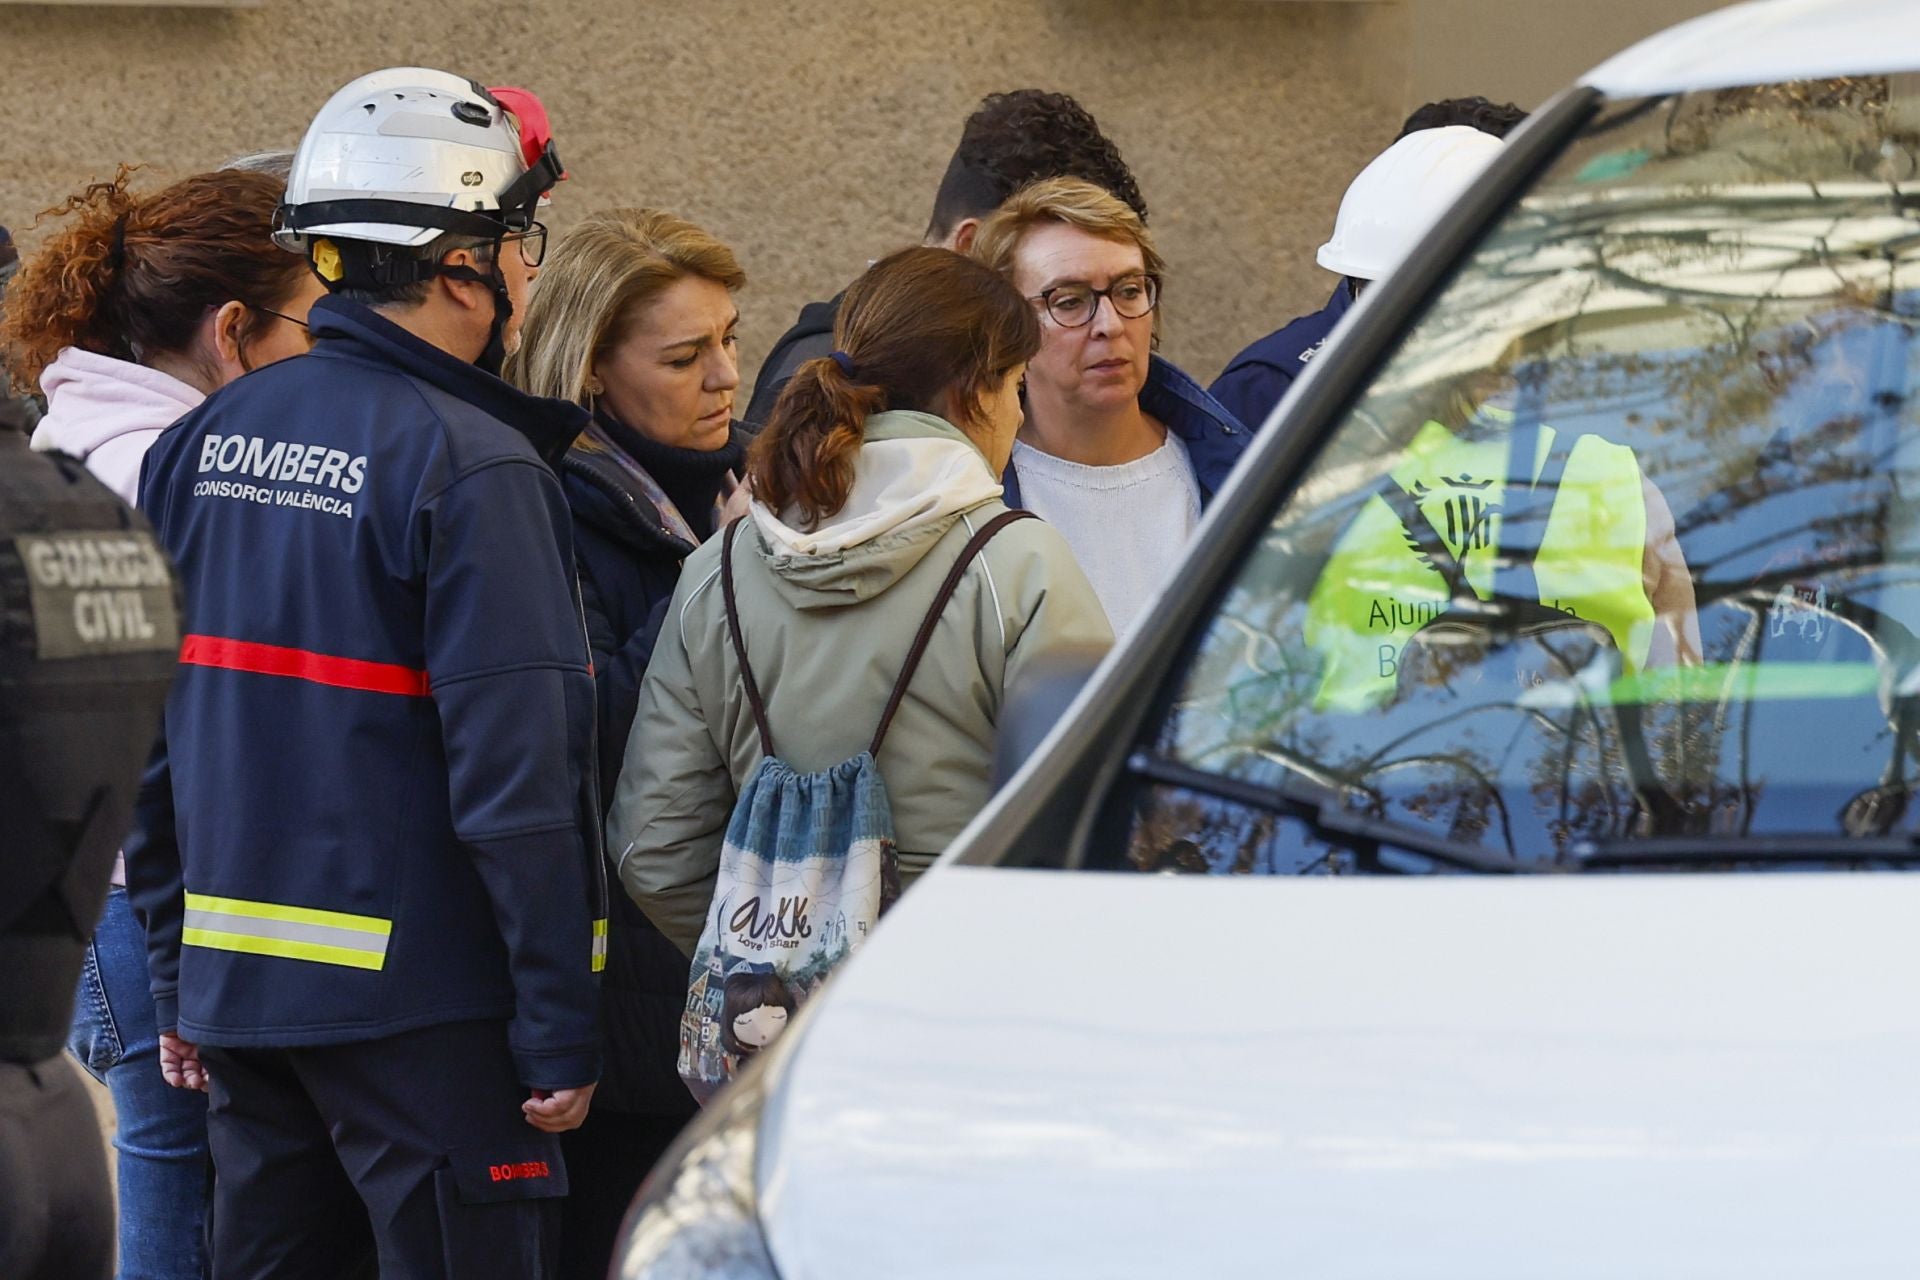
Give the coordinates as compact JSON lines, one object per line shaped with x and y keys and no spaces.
{"x":291,"y":933}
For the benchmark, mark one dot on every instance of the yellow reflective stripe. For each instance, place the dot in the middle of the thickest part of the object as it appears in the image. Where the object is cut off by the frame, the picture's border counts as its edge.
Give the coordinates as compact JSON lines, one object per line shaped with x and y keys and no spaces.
{"x":290,"y":933}
{"x":283,"y":948}
{"x":293,"y":915}
{"x":599,"y":945}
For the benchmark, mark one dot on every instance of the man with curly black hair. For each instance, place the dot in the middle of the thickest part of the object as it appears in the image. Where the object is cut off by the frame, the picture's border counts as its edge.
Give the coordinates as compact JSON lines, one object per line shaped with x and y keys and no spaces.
{"x":1018,"y":138}
{"x":1011,"y":140}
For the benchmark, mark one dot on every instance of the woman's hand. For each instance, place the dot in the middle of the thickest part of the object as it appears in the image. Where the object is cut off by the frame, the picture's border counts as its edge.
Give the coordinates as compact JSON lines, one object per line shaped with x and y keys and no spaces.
{"x":735,"y":498}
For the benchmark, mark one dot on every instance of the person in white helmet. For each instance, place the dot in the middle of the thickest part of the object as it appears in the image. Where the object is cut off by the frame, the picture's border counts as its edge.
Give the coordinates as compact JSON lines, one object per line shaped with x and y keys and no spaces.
{"x":367,"y":852}
{"x":1382,"y":217}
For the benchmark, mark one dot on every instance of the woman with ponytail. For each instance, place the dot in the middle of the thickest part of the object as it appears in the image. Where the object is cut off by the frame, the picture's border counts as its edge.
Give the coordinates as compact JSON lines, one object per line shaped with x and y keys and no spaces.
{"x":140,"y":306}
{"x":875,"y":469}
{"x":133,"y":311}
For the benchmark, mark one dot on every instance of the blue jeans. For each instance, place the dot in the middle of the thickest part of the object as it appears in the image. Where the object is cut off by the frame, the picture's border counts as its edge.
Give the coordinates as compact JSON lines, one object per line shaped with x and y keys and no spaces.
{"x":162,"y":1131}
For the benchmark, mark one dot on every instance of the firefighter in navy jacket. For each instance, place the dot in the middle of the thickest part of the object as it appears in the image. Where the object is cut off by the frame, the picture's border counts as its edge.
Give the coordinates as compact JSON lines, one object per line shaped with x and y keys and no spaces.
{"x":367,"y":855}
{"x":1383,"y":216}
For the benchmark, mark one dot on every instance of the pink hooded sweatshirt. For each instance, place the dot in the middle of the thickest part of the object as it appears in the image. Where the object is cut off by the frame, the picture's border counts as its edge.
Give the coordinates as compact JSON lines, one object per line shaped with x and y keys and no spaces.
{"x":106,"y":412}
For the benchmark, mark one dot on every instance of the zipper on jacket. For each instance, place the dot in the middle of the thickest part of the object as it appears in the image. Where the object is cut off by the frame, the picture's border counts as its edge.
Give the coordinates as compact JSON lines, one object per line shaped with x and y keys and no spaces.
{"x":595,"y":833}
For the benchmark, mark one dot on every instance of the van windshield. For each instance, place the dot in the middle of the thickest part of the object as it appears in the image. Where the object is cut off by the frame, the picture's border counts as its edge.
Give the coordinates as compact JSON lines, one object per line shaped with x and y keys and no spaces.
{"x":1624,"y":542}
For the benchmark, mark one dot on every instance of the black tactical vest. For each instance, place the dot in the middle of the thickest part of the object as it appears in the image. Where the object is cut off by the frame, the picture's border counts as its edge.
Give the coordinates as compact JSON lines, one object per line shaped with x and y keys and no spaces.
{"x":89,"y":632}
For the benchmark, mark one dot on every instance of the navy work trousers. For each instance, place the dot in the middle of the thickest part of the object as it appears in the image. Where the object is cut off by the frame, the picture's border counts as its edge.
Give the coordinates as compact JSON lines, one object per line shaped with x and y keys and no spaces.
{"x":408,"y":1155}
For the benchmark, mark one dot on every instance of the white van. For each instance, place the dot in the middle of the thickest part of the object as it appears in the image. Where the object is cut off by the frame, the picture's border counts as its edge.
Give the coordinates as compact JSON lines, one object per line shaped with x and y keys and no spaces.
{"x":1499,"y":860}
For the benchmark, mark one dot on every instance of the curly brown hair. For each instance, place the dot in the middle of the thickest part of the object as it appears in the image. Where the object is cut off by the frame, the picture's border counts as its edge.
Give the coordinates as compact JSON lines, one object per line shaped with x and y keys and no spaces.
{"x":132,"y":276}
{"x":1018,"y":138}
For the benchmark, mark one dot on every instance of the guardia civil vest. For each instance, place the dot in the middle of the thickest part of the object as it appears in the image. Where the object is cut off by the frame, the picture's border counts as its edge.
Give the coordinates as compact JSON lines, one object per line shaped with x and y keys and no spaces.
{"x":89,"y":628}
{"x":1378,"y":589}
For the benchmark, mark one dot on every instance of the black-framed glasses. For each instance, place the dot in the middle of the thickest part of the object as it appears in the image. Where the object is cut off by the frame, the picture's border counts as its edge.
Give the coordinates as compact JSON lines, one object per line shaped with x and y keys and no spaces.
{"x":1074,"y":305}
{"x":281,"y":315}
{"x":302,"y":325}
{"x":532,"y":242}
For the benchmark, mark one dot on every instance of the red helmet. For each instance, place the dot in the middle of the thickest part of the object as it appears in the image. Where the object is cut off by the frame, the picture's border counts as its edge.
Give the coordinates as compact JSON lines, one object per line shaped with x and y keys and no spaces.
{"x":530,"y":114}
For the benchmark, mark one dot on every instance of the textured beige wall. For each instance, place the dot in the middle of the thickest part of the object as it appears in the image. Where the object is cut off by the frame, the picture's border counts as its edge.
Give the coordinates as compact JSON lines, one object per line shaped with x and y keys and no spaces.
{"x":811,"y":133}
{"x":1525,"y":51}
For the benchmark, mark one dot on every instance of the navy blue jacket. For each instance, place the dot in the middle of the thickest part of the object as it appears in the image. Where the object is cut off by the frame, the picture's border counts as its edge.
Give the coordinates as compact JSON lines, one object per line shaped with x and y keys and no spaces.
{"x":1255,"y":380}
{"x":1213,"y":436}
{"x":373,"y":806}
{"x":810,"y":338}
{"x":629,"y":564}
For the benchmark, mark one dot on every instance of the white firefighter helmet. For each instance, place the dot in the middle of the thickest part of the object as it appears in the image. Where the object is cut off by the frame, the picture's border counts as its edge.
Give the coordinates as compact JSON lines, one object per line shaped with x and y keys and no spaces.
{"x":1397,"y":198}
{"x":401,"y":156}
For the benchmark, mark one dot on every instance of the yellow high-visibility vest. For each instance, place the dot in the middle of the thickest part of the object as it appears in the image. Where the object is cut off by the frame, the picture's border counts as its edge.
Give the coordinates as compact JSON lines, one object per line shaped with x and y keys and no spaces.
{"x":1377,"y":590}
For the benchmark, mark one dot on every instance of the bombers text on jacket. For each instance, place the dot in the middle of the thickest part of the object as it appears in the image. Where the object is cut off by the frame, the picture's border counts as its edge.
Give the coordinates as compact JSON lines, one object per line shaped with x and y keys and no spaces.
{"x":372,"y":808}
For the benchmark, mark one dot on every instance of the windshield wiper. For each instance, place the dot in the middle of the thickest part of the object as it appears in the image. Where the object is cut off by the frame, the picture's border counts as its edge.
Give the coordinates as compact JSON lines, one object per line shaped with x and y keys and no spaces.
{"x":1321,"y":812}
{"x":1685,"y":851}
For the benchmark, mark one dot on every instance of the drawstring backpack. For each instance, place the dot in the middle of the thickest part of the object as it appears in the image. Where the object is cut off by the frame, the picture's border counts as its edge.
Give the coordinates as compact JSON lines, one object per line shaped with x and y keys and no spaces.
{"x":806,"y":870}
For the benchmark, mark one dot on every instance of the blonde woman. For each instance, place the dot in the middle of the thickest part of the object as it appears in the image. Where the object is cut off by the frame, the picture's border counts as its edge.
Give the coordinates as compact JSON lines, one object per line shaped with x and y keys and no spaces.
{"x":634,"y":318}
{"x":1120,"y":450}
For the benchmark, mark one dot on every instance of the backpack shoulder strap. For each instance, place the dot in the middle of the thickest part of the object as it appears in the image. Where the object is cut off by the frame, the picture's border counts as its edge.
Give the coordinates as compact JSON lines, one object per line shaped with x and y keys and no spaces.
{"x":754,"y":699}
{"x":940,"y":600}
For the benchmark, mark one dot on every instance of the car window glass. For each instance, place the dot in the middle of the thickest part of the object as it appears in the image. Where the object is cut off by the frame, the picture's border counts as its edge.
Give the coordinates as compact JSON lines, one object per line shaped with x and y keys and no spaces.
{"x":1623,"y":542}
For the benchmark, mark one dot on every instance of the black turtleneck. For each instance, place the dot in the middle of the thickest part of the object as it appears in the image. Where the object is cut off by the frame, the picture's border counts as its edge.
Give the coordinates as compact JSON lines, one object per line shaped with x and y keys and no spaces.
{"x":691,"y":477}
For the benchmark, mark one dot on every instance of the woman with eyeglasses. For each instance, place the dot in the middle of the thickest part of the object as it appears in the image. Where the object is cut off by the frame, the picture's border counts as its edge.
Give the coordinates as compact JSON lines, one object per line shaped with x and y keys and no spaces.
{"x":1120,"y":450}
{"x":135,"y":309}
{"x":139,"y":306}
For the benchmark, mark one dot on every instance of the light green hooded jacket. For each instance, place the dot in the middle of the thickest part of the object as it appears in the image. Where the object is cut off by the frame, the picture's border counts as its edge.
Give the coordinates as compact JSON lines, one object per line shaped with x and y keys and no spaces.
{"x":827,"y":616}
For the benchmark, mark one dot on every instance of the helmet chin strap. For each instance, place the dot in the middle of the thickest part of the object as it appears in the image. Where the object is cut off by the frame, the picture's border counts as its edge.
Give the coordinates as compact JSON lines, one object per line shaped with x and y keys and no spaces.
{"x":494,"y":355}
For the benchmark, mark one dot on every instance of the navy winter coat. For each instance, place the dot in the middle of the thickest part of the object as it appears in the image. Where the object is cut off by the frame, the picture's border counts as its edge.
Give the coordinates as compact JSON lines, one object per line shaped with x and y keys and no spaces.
{"x":372,"y":808}
{"x":1254,"y":381}
{"x":810,"y":338}
{"x":629,"y":563}
{"x":1213,"y":436}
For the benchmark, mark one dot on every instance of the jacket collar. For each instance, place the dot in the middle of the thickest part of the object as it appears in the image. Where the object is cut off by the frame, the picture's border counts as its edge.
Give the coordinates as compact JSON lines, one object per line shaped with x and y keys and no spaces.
{"x":344,"y":329}
{"x":911,"y":424}
{"x":1213,"y":436}
{"x":1341,"y":302}
{"x":602,"y":494}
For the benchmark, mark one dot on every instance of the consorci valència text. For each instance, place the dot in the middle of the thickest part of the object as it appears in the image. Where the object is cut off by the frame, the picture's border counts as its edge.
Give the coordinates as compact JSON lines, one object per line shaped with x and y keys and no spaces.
{"x":321,"y":473}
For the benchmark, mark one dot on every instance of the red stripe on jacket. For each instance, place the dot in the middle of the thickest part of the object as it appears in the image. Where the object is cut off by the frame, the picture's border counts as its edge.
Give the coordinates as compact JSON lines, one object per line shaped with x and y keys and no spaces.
{"x":303,"y":664}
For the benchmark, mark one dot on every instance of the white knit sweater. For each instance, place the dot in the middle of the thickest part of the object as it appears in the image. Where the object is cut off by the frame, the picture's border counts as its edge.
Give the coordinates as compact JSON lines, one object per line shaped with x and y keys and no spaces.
{"x":1128,"y":525}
